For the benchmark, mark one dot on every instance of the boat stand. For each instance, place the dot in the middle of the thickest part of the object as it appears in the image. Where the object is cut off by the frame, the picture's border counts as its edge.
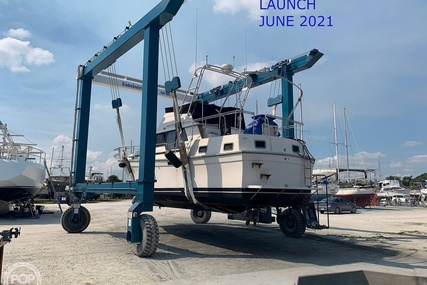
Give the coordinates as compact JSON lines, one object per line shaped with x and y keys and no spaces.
{"x":6,"y":237}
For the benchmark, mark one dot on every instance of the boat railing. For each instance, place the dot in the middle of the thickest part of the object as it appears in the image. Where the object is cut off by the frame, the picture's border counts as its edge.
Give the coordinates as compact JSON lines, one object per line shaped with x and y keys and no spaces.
{"x":290,"y":124}
{"x":23,"y":152}
{"x":222,"y":127}
{"x":238,"y":121}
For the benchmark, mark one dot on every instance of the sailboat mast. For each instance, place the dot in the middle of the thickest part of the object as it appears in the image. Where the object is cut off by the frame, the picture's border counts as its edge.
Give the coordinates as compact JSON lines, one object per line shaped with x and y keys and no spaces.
{"x":336,"y":140}
{"x":346,"y":143}
{"x":61,"y":166}
{"x":51,"y":159}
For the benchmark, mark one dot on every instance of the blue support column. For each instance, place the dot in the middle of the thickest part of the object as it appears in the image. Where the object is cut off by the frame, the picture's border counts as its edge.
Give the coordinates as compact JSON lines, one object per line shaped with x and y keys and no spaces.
{"x":287,"y":105}
{"x":82,"y":126}
{"x":145,"y":183}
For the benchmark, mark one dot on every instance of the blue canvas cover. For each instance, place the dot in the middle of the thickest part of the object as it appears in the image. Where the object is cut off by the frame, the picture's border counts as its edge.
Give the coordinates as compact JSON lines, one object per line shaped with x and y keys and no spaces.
{"x":255,"y":127}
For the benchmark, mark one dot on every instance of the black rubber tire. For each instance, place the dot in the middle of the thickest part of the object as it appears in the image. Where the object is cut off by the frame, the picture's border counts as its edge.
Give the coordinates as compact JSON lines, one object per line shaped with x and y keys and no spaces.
{"x":75,"y":223}
{"x":353,"y":210}
{"x":322,"y":212}
{"x":291,"y":223}
{"x":200,"y":216}
{"x":150,"y":237}
{"x":337,"y":210}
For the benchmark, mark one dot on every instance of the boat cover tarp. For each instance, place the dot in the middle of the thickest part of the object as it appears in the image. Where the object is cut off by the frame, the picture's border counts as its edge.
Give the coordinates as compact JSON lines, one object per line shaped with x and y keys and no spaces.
{"x":255,"y":127}
{"x":200,"y":110}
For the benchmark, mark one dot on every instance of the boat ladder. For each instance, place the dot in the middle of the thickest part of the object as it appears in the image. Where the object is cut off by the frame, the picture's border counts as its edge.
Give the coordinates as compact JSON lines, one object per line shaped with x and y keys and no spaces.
{"x":308,"y":165}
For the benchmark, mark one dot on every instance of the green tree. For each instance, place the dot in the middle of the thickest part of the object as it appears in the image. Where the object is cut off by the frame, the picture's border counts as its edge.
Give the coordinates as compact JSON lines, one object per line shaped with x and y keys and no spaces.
{"x":407,"y":181}
{"x":393,"y":178}
{"x":113,"y":178}
{"x":421,"y":178}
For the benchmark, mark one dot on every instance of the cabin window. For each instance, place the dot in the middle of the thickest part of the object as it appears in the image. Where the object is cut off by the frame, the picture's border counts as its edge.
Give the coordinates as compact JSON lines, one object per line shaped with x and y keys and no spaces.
{"x":259,"y":144}
{"x":203,"y":149}
{"x":168,"y":139}
{"x":228,"y":146}
{"x":295,"y":148}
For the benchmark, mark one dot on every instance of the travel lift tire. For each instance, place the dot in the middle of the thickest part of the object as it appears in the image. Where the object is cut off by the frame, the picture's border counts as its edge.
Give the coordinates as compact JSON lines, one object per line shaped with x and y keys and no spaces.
{"x":150,"y":237}
{"x":75,"y":222}
{"x":291,"y":222}
{"x":200,"y":216}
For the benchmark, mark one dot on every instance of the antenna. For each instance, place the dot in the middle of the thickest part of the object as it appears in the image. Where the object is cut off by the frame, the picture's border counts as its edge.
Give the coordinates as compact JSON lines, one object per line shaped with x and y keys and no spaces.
{"x":336,"y":140}
{"x":246,"y":51}
{"x":195,"y":56}
{"x":346,"y":142}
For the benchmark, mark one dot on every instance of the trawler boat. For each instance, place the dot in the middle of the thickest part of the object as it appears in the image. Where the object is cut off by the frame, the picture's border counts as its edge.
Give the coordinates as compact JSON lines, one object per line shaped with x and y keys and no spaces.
{"x":223,"y":164}
{"x":22,"y":171}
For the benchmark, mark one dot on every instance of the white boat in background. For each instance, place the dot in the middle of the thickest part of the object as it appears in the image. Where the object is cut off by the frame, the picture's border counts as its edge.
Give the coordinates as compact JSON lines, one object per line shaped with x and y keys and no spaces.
{"x":22,"y":170}
{"x":424,"y":188}
{"x":323,"y":183}
{"x":392,"y":186}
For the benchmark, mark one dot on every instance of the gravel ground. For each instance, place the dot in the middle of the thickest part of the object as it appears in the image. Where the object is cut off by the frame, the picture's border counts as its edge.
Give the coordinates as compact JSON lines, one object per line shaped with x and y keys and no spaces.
{"x":386,"y":239}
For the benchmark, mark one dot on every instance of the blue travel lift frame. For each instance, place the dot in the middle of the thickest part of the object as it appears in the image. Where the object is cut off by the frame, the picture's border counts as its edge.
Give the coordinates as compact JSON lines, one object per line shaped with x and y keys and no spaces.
{"x":77,"y":218}
{"x":147,"y":29}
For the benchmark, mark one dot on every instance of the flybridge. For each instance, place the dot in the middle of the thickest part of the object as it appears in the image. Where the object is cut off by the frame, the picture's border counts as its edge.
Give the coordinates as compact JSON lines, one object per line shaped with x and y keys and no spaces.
{"x":287,"y":4}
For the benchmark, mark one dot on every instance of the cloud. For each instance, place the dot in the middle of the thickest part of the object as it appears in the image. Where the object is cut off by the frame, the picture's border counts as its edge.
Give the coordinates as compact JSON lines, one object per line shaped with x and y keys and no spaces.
{"x":395,"y":164}
{"x":411,"y":143}
{"x":93,"y":155}
{"x":17,"y":54}
{"x":236,"y":6}
{"x":418,"y":159}
{"x":361,"y":159}
{"x":18,"y":33}
{"x":62,"y":140}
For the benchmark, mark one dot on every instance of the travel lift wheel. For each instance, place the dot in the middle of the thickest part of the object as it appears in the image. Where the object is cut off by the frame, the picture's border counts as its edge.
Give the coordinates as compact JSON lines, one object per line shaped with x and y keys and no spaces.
{"x":75,"y":220}
{"x":200,"y":216}
{"x":291,"y":222}
{"x":150,"y":237}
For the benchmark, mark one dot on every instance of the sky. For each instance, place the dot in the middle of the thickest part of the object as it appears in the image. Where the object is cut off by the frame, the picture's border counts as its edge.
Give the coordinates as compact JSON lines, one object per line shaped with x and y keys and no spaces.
{"x":373,"y":66}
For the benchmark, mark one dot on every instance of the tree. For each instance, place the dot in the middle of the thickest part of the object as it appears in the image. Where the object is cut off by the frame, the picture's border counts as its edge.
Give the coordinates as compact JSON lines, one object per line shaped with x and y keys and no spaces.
{"x":113,"y":178}
{"x":421,"y":178}
{"x":407,"y":181}
{"x":393,"y":178}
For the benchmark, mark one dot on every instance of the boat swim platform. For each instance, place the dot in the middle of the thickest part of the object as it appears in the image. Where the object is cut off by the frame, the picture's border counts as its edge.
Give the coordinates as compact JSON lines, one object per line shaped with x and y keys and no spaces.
{"x":361,"y":277}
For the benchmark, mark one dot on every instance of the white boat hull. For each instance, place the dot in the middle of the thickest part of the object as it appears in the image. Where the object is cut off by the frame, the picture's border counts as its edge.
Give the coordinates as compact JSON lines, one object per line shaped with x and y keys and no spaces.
{"x":272,"y":175}
{"x":20,"y":179}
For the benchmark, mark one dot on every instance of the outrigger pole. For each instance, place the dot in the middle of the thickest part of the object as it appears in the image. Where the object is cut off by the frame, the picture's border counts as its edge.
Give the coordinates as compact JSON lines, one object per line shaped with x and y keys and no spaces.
{"x":147,"y":29}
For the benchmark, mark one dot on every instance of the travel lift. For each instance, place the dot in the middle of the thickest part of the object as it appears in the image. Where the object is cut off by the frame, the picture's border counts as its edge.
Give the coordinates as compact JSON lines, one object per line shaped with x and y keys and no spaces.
{"x":142,"y":229}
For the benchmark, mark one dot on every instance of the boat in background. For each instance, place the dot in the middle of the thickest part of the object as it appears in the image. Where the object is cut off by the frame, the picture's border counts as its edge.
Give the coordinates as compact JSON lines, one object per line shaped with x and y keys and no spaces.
{"x":323,"y":184}
{"x":22,"y":170}
{"x":391,"y":187}
{"x":59,"y":177}
{"x":423,"y":189}
{"x":358,"y":187}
